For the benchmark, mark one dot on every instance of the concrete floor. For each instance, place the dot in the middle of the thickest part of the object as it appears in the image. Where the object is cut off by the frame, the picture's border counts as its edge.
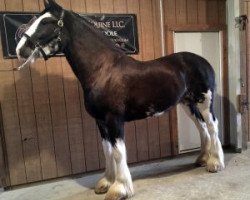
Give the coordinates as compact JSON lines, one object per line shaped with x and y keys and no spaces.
{"x":175,"y":179}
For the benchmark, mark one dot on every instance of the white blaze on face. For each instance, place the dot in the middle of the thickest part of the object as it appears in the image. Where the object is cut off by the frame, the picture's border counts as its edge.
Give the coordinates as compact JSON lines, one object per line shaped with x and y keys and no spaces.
{"x":32,"y":29}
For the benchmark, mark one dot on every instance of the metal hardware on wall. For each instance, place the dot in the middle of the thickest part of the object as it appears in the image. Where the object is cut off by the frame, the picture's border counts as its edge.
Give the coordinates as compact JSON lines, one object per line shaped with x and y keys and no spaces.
{"x":243,"y":103}
{"x":241,"y":22}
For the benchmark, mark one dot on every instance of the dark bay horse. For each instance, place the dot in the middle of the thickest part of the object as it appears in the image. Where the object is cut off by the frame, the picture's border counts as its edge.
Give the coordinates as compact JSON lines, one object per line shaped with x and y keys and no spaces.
{"x":118,"y":88}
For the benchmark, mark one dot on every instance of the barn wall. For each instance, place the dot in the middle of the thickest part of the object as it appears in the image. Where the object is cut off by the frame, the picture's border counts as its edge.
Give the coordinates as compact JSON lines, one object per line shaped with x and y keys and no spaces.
{"x":194,"y":13}
{"x":47,"y":131}
{"x":197,"y":15}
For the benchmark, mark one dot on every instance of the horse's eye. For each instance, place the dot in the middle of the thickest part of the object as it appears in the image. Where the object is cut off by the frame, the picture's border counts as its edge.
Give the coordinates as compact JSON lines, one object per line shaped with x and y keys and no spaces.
{"x":48,"y":20}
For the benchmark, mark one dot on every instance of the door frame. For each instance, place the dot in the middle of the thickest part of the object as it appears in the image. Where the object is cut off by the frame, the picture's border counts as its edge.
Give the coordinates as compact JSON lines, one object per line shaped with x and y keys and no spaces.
{"x":244,"y":74}
{"x":222,"y":29}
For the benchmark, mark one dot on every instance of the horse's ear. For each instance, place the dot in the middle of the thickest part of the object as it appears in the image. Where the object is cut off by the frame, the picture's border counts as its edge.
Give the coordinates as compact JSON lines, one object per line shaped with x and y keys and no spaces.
{"x":51,"y":4}
{"x":46,"y":4}
{"x":54,"y":5}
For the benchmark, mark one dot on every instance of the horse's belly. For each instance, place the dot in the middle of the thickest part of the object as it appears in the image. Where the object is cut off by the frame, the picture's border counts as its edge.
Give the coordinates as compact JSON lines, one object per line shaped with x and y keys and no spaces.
{"x":139,"y":109}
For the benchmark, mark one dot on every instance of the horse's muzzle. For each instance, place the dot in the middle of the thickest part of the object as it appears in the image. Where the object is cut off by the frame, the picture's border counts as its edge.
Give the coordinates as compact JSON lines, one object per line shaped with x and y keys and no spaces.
{"x":24,"y":53}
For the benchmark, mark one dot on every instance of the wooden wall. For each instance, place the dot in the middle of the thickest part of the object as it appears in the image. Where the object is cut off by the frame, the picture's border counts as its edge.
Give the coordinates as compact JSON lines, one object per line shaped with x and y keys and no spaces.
{"x":245,"y":72}
{"x":47,"y":131}
{"x":197,"y":15}
{"x":195,"y":12}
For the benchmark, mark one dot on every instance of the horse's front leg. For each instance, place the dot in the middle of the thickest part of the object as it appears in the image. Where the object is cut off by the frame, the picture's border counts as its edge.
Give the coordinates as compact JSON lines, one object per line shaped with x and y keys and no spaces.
{"x":122,"y":187}
{"x":108,"y":179}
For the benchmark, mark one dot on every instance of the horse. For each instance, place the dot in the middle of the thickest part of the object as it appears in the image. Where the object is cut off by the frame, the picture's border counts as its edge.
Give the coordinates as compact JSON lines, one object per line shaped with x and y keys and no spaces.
{"x":118,"y":88}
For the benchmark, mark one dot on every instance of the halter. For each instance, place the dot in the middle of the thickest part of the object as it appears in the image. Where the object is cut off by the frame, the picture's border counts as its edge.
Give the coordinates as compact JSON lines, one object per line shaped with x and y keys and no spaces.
{"x":58,"y":31}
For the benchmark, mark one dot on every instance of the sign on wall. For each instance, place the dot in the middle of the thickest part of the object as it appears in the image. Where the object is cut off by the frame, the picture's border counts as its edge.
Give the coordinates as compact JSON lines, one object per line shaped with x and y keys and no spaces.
{"x":120,"y":28}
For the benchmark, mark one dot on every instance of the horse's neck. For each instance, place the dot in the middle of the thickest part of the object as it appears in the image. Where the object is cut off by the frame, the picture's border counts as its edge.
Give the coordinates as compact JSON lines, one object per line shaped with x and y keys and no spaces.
{"x":87,"y":53}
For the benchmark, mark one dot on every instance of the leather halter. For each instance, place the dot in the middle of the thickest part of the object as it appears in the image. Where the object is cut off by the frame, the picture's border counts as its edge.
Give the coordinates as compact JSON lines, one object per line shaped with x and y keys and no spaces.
{"x":58,"y":31}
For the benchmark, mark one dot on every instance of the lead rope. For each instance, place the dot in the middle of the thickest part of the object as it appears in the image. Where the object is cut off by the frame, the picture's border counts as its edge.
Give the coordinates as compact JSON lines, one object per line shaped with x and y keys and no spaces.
{"x":30,"y":58}
{"x":27,"y":62}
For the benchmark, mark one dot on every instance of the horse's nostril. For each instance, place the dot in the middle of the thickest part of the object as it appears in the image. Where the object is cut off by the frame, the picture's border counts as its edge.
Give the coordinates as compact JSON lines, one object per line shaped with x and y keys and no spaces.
{"x":25,"y":53}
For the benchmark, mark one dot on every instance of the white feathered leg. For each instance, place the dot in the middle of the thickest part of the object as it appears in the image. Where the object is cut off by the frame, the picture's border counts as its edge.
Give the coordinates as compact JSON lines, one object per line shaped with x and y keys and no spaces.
{"x":123,"y":186}
{"x":215,"y":160}
{"x":105,"y":182}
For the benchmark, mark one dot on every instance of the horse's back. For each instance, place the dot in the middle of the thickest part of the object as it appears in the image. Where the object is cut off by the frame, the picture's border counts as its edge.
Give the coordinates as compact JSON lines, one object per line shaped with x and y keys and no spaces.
{"x":199,"y":74}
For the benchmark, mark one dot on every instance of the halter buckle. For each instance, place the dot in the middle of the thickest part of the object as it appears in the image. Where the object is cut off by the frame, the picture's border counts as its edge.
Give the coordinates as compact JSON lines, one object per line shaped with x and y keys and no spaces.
{"x":60,"y":23}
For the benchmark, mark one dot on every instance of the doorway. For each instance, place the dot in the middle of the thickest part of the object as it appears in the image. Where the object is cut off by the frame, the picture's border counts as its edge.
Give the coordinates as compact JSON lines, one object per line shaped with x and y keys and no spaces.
{"x":207,"y":45}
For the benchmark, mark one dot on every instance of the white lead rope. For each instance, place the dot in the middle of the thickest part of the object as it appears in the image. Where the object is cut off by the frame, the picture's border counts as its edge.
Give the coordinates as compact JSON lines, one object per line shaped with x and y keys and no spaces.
{"x":30,"y":59}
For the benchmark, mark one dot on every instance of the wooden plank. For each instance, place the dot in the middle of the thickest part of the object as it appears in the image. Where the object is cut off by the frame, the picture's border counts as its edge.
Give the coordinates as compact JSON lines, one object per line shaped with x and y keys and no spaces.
{"x":31,"y":160}
{"x":64,"y":3}
{"x":153,"y":123}
{"x":157,"y":29}
{"x":74,"y":119}
{"x":2,"y":5}
{"x":59,"y":118}
{"x":120,"y":6}
{"x":4,"y":168}
{"x":247,"y":42}
{"x":153,"y":138}
{"x":136,"y":152}
{"x":222,"y":11}
{"x":130,"y":138}
{"x":134,"y":7}
{"x":93,"y":6}
{"x":106,"y":6}
{"x":5,"y":64}
{"x":13,"y":5}
{"x":12,"y":129}
{"x":245,"y":10}
{"x":146,"y":10}
{"x":212,"y":12}
{"x":43,"y":119}
{"x":192,"y":11}
{"x":226,"y":103}
{"x":169,"y":11}
{"x":142,"y":140}
{"x":28,"y":124}
{"x":73,"y":110}
{"x":181,"y":11}
{"x":10,"y":121}
{"x":147,"y":53}
{"x":202,"y":12}
{"x":147,"y":29}
{"x":78,"y":6}
{"x":198,"y":27}
{"x":173,"y":112}
{"x":164,"y":132}
{"x":27,"y":115}
{"x":42,"y":112}
{"x":130,"y":135}
{"x":92,"y":138}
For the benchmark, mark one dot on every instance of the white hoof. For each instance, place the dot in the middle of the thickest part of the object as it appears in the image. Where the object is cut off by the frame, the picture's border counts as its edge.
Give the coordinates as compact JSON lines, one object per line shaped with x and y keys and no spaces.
{"x":202,"y":159}
{"x":215,"y":164}
{"x":119,"y":191}
{"x":102,"y":186}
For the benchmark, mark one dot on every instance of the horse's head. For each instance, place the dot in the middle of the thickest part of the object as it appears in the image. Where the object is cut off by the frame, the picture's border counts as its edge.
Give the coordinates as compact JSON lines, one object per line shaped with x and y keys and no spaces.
{"x":47,"y":34}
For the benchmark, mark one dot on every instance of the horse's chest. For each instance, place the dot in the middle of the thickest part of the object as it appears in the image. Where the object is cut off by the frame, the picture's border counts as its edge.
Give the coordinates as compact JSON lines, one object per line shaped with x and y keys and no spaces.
{"x":99,"y":102}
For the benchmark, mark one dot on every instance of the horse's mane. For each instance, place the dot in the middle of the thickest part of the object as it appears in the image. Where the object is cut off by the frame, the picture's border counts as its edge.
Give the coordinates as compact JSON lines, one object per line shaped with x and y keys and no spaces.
{"x":97,"y":32}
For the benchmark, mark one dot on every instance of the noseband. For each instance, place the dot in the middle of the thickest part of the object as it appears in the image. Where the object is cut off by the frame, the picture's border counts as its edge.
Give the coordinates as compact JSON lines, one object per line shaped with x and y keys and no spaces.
{"x":58,"y":31}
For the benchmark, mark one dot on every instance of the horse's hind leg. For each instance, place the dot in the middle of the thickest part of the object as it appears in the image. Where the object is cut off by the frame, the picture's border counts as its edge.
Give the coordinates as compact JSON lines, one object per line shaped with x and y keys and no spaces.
{"x":194,"y":114}
{"x":214,"y":150}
